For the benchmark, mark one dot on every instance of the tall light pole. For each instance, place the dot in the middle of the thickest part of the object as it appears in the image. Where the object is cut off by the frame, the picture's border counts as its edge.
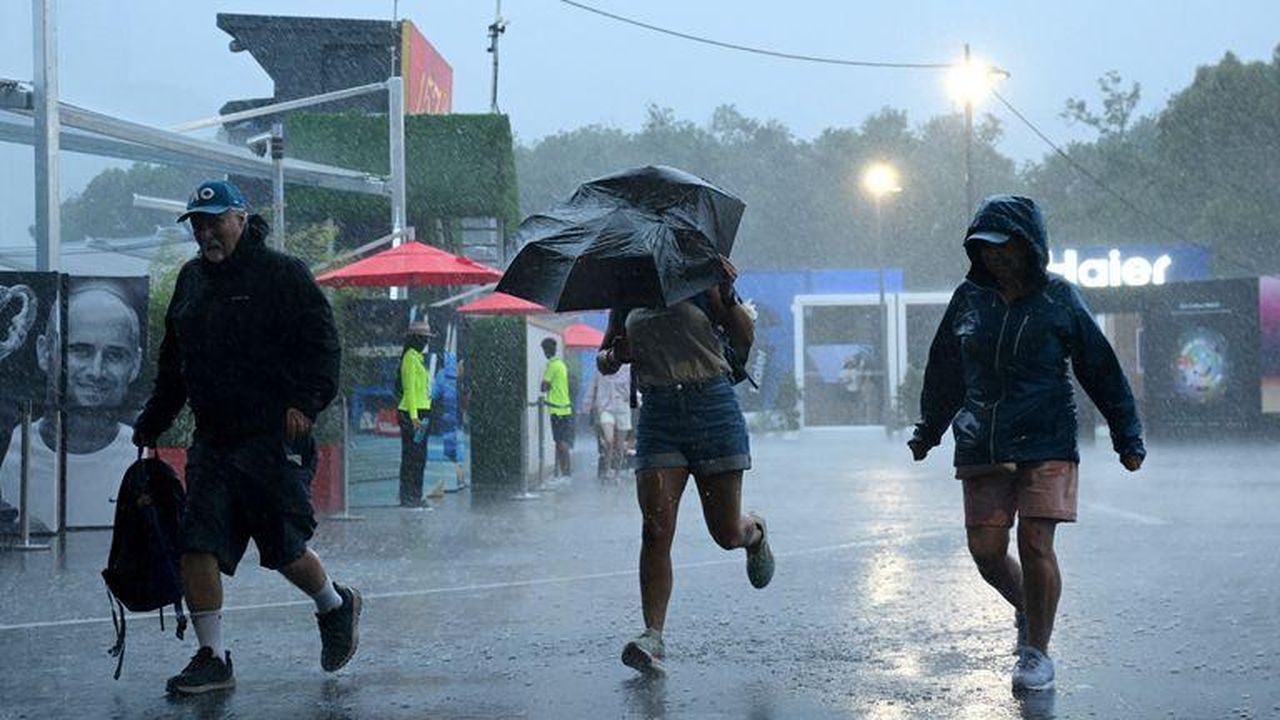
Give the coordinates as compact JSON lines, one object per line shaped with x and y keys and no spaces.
{"x":496,"y":29}
{"x":880,"y":179}
{"x":969,"y":83}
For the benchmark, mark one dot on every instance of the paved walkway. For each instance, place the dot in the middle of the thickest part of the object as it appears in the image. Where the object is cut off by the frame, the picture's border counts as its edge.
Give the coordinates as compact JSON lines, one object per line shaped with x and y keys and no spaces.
{"x":520,"y":609}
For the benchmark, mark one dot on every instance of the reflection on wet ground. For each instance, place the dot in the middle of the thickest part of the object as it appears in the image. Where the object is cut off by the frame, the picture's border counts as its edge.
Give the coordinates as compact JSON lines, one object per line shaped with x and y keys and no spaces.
{"x":497,"y":610}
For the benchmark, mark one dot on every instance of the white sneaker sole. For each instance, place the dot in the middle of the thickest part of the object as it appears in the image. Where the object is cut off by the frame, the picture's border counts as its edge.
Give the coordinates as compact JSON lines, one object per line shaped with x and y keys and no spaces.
{"x":1033,"y":688}
{"x":228,"y":684}
{"x":642,"y":662}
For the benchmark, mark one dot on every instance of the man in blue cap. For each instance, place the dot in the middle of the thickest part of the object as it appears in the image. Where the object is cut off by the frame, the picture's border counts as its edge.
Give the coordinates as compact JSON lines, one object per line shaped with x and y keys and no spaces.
{"x":250,"y":344}
{"x":997,"y":374}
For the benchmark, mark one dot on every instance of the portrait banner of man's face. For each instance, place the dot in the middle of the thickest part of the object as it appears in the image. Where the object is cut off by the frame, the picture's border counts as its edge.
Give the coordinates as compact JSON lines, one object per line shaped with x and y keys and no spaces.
{"x":105,"y":350}
{"x":101,"y":361}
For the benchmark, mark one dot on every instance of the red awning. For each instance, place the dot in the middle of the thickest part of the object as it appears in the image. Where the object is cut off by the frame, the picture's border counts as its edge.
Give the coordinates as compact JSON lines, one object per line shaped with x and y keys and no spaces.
{"x":582,"y":335}
{"x":502,"y":304}
{"x":411,"y":264}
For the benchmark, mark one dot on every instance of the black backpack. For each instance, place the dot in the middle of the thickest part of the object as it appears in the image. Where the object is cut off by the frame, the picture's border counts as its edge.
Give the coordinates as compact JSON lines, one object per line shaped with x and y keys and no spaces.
{"x":143,"y":571}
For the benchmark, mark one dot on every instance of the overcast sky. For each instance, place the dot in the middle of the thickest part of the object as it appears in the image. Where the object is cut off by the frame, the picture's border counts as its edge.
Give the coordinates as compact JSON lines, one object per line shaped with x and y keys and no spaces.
{"x":162,"y":62}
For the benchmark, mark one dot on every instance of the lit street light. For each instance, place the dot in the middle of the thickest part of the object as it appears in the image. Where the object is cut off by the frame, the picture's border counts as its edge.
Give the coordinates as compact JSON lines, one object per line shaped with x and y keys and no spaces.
{"x":969,"y":83}
{"x":880,"y":179}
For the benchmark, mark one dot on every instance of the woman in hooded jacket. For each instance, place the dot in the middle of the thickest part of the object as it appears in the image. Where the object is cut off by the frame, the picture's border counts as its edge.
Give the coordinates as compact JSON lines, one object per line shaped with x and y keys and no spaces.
{"x":997,"y":374}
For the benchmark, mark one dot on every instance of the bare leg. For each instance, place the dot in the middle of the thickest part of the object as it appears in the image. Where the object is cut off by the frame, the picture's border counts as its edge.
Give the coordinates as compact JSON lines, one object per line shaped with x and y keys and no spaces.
{"x":1042,"y":585}
{"x":658,"y":492}
{"x":989,"y":547}
{"x":563,"y":459}
{"x":306,"y":573}
{"x":201,"y":582}
{"x":721,"y":497}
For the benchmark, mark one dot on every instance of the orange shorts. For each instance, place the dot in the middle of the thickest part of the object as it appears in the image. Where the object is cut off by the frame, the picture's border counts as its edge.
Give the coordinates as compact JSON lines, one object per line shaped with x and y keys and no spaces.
{"x":994,"y":494}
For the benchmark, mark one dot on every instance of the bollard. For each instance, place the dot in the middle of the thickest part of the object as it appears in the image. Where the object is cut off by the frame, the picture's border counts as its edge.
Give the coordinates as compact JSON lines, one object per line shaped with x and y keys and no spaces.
{"x":345,"y":515}
{"x":24,"y":479}
{"x":524,"y":493}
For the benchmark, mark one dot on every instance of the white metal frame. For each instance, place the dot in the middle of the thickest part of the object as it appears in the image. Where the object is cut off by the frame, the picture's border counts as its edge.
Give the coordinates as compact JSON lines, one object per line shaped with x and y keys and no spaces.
{"x":896,"y":309}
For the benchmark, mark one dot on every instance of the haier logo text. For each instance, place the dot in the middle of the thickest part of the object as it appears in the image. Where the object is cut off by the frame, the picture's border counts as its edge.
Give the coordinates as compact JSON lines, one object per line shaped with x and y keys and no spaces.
{"x":1114,"y":270}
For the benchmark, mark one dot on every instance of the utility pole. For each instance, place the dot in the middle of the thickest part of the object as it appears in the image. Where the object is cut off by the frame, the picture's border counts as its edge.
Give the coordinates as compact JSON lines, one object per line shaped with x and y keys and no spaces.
{"x":496,"y":30}
{"x":968,"y":145}
{"x":47,"y":129}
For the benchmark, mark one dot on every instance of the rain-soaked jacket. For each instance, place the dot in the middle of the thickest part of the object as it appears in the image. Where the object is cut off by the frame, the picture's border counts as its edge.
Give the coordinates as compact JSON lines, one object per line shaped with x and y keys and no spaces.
{"x":244,"y":340}
{"x":997,"y":371}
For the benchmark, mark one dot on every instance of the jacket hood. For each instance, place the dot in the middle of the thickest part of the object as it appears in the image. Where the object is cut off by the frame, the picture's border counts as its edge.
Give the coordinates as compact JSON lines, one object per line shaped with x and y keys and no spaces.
{"x":1012,"y":215}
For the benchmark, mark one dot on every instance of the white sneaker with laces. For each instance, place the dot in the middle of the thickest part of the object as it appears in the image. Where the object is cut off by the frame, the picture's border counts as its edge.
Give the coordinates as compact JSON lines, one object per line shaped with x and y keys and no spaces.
{"x":1034,"y":670}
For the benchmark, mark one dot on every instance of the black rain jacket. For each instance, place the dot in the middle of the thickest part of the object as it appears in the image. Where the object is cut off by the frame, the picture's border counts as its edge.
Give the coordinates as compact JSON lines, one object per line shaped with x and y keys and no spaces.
{"x":997,"y":372}
{"x":244,"y":340}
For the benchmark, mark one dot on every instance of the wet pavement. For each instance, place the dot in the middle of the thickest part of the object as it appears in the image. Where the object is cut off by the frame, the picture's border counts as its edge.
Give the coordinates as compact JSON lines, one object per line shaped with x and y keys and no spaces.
{"x":520,"y":609}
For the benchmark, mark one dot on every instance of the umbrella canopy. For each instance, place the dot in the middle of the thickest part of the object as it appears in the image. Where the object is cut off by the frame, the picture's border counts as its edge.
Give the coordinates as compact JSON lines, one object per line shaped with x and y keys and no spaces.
{"x":411,"y":264}
{"x":582,"y":335}
{"x":502,"y":304}
{"x":647,"y":237}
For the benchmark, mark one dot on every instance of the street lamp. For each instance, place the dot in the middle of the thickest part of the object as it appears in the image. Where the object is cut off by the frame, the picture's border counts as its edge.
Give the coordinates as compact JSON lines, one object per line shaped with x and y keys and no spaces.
{"x":970,"y":82}
{"x":880,"y":179}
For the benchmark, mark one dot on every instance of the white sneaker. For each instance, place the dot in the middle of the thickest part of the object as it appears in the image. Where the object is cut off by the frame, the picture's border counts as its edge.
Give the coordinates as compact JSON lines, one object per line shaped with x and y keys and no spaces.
{"x":1034,"y":670}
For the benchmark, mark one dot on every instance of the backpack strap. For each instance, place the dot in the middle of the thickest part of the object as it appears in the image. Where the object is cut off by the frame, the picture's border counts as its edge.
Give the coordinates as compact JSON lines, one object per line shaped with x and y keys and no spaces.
{"x":120,"y":623}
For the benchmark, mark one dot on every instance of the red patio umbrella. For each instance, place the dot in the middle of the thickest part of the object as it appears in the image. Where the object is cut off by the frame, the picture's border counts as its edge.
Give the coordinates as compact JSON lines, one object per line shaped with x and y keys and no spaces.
{"x":582,"y":335}
{"x":502,"y":304}
{"x":411,"y":264}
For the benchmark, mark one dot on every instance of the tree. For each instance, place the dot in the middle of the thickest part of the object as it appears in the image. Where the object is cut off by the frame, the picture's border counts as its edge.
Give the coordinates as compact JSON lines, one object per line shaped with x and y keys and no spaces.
{"x":1118,"y":105}
{"x":1202,"y":171}
{"x":105,"y":209}
{"x":805,"y":206}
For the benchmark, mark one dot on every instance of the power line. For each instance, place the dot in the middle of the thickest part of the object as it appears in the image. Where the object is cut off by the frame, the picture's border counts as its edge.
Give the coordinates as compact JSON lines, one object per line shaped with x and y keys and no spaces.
{"x":1126,"y":202}
{"x":757,"y":50}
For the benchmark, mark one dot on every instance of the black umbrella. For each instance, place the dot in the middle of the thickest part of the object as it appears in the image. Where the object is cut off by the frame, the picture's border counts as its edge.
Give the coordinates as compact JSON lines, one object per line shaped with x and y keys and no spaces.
{"x":646,"y":237}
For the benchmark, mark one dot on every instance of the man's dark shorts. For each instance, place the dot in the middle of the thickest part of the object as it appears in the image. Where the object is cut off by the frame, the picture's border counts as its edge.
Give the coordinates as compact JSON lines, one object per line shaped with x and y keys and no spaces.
{"x":251,"y":489}
{"x":562,"y":430}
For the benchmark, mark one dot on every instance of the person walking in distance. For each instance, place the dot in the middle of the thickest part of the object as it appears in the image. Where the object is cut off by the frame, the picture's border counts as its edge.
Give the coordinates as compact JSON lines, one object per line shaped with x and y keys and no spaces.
{"x":413,"y":414}
{"x":250,"y":343}
{"x":690,"y":423}
{"x":555,"y":385}
{"x":997,"y":374}
{"x":611,"y":407}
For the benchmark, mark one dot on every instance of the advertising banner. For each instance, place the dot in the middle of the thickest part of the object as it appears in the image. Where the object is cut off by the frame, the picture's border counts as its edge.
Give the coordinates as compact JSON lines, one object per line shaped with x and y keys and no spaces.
{"x":103,"y":355}
{"x":28,"y":338}
{"x":428,"y":78}
{"x":1199,"y":356}
{"x":1269,"y":322}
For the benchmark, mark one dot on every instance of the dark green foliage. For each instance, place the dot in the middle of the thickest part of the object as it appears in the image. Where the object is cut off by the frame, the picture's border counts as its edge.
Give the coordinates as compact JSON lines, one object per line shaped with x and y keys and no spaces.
{"x":496,"y":375}
{"x":805,"y":207}
{"x":458,"y":166}
{"x":104,"y":209}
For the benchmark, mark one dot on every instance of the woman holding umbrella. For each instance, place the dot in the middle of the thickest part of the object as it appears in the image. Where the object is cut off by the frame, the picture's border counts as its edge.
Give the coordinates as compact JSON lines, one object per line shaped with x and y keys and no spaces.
{"x":690,"y":424}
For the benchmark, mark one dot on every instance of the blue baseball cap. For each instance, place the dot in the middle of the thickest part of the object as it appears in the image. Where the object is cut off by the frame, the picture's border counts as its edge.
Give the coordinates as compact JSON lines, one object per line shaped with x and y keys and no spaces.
{"x":214,"y":197}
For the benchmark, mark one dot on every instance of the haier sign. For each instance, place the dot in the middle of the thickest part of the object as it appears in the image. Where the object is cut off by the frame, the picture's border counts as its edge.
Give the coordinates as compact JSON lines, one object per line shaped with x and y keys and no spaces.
{"x":1131,"y":266}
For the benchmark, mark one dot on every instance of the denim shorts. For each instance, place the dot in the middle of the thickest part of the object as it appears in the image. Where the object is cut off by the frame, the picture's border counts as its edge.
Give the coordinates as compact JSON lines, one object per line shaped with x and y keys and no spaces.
{"x":695,"y":425}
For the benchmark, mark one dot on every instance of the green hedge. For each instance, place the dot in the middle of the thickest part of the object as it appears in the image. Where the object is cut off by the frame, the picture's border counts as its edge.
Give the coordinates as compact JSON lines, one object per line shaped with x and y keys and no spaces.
{"x":457,"y":166}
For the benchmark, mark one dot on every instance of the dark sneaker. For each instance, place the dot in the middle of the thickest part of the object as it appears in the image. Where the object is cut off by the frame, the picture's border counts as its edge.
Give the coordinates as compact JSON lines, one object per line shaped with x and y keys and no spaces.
{"x":1020,"y":622}
{"x":759,"y":556}
{"x":205,"y":673}
{"x":340,"y":630}
{"x":645,"y":653}
{"x":1034,"y":670}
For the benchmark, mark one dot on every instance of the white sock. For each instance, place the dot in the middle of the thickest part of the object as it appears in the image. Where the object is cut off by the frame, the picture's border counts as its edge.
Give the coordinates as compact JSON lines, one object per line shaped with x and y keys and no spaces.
{"x":328,"y":598}
{"x":208,"y":625}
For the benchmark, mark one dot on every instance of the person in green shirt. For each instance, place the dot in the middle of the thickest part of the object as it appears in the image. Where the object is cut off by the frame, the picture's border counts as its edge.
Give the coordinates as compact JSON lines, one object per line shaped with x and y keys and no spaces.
{"x":415,"y":405}
{"x":555,"y":384}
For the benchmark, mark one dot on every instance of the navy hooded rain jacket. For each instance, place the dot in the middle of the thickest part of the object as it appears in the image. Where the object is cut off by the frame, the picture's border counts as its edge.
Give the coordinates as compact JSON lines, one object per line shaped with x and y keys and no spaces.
{"x":997,"y":371}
